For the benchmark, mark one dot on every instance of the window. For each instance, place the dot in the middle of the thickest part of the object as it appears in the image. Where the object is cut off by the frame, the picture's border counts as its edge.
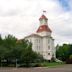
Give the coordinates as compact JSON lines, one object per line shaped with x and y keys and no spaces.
{"x":36,"y":40}
{"x":48,"y":47}
{"x":48,"y":40}
{"x":38,"y":47}
{"x":30,"y":40}
{"x":41,"y":21}
{"x":39,"y":40}
{"x":48,"y":53}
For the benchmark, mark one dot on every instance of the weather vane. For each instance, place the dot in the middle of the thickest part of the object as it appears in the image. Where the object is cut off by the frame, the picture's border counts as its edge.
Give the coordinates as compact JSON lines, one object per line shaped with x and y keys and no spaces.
{"x":44,"y":11}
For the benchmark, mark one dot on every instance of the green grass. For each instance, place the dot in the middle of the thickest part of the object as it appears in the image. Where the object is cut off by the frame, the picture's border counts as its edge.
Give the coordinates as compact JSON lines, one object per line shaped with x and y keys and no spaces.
{"x":52,"y":64}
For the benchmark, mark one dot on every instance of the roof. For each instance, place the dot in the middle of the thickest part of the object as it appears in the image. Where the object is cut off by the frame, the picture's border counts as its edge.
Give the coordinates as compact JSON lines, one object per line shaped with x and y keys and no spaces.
{"x":36,"y":35}
{"x":43,"y":17}
{"x":44,"y":28}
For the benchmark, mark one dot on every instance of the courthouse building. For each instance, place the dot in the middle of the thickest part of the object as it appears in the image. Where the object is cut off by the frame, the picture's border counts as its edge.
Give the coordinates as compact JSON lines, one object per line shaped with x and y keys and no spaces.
{"x":42,"y":41}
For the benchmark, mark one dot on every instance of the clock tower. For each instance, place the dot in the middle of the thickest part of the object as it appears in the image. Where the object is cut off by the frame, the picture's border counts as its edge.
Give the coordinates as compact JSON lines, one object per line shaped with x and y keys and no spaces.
{"x":44,"y":29}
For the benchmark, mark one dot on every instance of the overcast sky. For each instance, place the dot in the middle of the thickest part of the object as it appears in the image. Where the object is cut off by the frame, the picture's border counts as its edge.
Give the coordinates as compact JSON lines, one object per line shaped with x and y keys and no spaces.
{"x":21,"y":18}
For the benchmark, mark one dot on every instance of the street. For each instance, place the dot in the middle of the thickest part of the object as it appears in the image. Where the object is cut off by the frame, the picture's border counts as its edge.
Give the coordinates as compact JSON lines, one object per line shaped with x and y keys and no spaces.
{"x":65,"y":68}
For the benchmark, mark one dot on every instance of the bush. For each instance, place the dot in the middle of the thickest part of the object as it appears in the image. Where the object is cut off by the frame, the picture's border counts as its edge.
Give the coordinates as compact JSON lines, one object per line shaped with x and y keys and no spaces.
{"x":52,"y":59}
{"x":38,"y":65}
{"x":70,"y":57}
{"x":69,"y":61}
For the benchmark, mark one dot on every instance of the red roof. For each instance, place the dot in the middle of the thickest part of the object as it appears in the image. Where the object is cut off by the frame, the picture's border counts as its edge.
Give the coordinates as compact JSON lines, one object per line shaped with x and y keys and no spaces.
{"x":44,"y":28}
{"x":43,"y":17}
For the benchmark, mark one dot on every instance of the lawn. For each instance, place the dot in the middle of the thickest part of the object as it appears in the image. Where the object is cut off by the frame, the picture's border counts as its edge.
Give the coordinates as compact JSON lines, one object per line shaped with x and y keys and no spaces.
{"x":52,"y":64}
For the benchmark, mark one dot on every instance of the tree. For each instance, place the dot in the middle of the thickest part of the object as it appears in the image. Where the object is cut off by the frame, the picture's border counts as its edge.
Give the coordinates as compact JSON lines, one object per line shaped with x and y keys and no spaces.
{"x":64,"y":51}
{"x":9,"y":43}
{"x":70,"y":57}
{"x":70,"y":49}
{"x":28,"y":56}
{"x":17,"y":51}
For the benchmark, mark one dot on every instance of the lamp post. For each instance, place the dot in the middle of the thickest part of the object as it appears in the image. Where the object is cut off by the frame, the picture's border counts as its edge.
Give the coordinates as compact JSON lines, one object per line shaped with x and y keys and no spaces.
{"x":16,"y":63}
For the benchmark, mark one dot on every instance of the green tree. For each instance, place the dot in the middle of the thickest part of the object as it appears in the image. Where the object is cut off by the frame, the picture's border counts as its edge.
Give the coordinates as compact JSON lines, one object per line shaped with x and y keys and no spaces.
{"x":17,"y":51}
{"x":70,"y":57}
{"x":9,"y":41}
{"x":28,"y":56}
{"x":63,"y":52}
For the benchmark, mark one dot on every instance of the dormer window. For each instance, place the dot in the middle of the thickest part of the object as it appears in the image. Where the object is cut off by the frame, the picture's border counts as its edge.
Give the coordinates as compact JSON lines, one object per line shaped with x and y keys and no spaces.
{"x":40,"y":27}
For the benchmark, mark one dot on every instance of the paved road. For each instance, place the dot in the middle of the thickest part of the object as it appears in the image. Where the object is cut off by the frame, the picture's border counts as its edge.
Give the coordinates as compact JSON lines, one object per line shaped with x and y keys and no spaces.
{"x":66,"y":68}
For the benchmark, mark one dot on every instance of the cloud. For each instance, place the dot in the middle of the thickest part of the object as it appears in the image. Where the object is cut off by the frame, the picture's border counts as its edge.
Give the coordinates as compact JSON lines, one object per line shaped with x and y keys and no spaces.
{"x":20,"y":18}
{"x":64,"y":25}
{"x":9,"y":13}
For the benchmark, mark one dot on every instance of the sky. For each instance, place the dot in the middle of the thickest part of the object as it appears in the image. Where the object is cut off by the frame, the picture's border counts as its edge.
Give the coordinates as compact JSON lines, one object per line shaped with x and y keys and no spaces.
{"x":21,"y":18}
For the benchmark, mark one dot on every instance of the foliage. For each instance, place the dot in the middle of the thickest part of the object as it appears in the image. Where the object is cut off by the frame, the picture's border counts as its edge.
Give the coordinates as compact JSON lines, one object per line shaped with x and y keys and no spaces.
{"x":63,"y":52}
{"x":70,"y":57}
{"x":17,"y":51}
{"x":69,"y":60}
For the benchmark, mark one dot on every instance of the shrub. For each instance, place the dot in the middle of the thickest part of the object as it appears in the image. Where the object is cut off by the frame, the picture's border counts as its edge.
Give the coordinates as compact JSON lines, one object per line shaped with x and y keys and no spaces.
{"x":69,"y":60}
{"x":52,"y":59}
